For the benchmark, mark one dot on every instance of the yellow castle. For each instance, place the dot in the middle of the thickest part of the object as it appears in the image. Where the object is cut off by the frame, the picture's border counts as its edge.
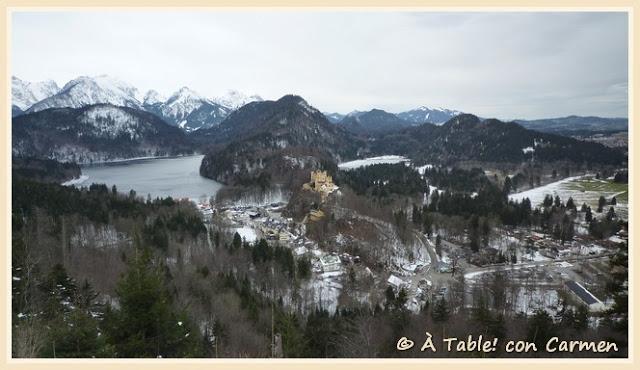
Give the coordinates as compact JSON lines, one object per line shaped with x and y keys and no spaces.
{"x":321,"y":182}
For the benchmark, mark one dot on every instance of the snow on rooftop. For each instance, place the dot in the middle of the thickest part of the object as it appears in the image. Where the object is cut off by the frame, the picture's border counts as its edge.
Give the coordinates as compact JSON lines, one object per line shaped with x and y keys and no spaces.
{"x":396,"y":281}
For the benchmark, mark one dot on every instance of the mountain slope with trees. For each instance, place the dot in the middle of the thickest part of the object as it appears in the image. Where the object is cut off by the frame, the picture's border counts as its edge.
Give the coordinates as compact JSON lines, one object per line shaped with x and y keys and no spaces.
{"x":272,"y":140}
{"x":95,"y":133}
{"x":467,"y":138}
{"x":375,"y":121}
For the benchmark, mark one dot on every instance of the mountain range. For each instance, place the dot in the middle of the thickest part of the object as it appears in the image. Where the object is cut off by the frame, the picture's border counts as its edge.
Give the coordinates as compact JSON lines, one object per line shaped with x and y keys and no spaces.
{"x":377,"y":121}
{"x":469,"y":138}
{"x":25,"y":94}
{"x":280,"y":141}
{"x":576,"y":125}
{"x":185,"y":108}
{"x":247,"y":140}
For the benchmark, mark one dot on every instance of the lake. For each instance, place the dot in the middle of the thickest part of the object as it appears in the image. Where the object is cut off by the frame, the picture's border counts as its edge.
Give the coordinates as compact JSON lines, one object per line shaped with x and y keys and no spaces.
{"x":161,"y":177}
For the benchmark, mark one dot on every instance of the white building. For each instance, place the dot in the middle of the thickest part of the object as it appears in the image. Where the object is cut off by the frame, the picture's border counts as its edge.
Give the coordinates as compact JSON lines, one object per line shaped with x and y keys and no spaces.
{"x":330,"y":263}
{"x":396,"y":282}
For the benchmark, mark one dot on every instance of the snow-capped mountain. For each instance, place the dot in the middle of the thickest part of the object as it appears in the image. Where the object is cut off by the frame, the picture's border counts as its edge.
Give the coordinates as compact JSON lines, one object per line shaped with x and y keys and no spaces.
{"x":153,"y":97}
{"x":355,"y":113}
{"x":24,"y":94}
{"x":182,"y":103}
{"x":84,"y":91}
{"x":234,"y":99}
{"x":424,"y":114}
{"x":186,"y":109}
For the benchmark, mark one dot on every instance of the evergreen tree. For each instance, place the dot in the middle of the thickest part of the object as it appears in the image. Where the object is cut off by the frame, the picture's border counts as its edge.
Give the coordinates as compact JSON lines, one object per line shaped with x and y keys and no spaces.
{"x":237,"y":241}
{"x":146,"y":325}
{"x":440,"y":311}
{"x":540,"y":328}
{"x":601,"y":203}
{"x":588,"y":216}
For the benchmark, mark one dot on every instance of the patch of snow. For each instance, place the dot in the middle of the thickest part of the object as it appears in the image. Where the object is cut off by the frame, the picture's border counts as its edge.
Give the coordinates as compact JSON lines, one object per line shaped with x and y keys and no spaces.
{"x":76,"y":181}
{"x":247,"y":233}
{"x":385,"y":159}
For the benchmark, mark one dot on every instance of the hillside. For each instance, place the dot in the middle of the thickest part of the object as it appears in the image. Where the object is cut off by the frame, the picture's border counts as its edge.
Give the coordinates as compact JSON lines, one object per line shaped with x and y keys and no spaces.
{"x":375,"y":121}
{"x":466,"y":137}
{"x":576,"y":125}
{"x":272,"y":141}
{"x":95,"y":133}
{"x":43,"y":170}
{"x":424,"y":114}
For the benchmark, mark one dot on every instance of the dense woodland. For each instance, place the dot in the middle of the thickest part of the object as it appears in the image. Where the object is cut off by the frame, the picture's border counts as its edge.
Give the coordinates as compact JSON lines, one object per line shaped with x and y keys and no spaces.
{"x":44,"y":170}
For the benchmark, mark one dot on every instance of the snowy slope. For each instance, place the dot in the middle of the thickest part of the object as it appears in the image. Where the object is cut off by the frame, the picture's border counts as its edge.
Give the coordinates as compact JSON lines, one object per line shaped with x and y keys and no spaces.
{"x":182,"y":103}
{"x":424,"y":114}
{"x":153,"y":97}
{"x":334,"y":117}
{"x":84,"y":91}
{"x":24,"y":94}
{"x":234,"y":99}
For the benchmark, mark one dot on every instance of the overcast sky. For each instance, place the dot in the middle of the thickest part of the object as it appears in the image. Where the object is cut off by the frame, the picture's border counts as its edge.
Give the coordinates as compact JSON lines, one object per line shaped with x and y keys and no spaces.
{"x":505,"y":65}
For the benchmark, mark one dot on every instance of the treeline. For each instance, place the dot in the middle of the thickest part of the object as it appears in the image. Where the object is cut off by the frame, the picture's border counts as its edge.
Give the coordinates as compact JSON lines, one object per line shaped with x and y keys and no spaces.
{"x":457,"y":179}
{"x":382,"y":180}
{"x":43,"y":170}
{"x":100,"y":204}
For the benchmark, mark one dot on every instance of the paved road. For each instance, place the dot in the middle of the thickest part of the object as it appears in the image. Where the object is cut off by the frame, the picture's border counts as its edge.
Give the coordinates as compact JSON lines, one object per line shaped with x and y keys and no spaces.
{"x":475,"y":271}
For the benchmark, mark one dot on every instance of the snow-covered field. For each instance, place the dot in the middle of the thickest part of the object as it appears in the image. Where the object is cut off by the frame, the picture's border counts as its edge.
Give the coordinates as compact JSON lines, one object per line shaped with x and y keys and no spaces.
{"x":536,"y":195}
{"x":325,"y":289}
{"x":390,"y":159}
{"x":581,"y":189}
{"x":247,"y":233}
{"x":528,"y":300}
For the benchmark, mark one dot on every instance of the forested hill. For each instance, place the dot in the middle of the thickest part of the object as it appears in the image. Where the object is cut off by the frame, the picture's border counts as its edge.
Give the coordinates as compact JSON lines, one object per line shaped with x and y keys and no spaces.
{"x":272,"y":140}
{"x":375,"y":121}
{"x":466,"y":137}
{"x":43,"y":170}
{"x":99,"y":132}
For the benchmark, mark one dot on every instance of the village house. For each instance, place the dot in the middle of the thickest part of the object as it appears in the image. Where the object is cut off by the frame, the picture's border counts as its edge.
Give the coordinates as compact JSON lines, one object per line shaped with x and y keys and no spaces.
{"x":330,"y":263}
